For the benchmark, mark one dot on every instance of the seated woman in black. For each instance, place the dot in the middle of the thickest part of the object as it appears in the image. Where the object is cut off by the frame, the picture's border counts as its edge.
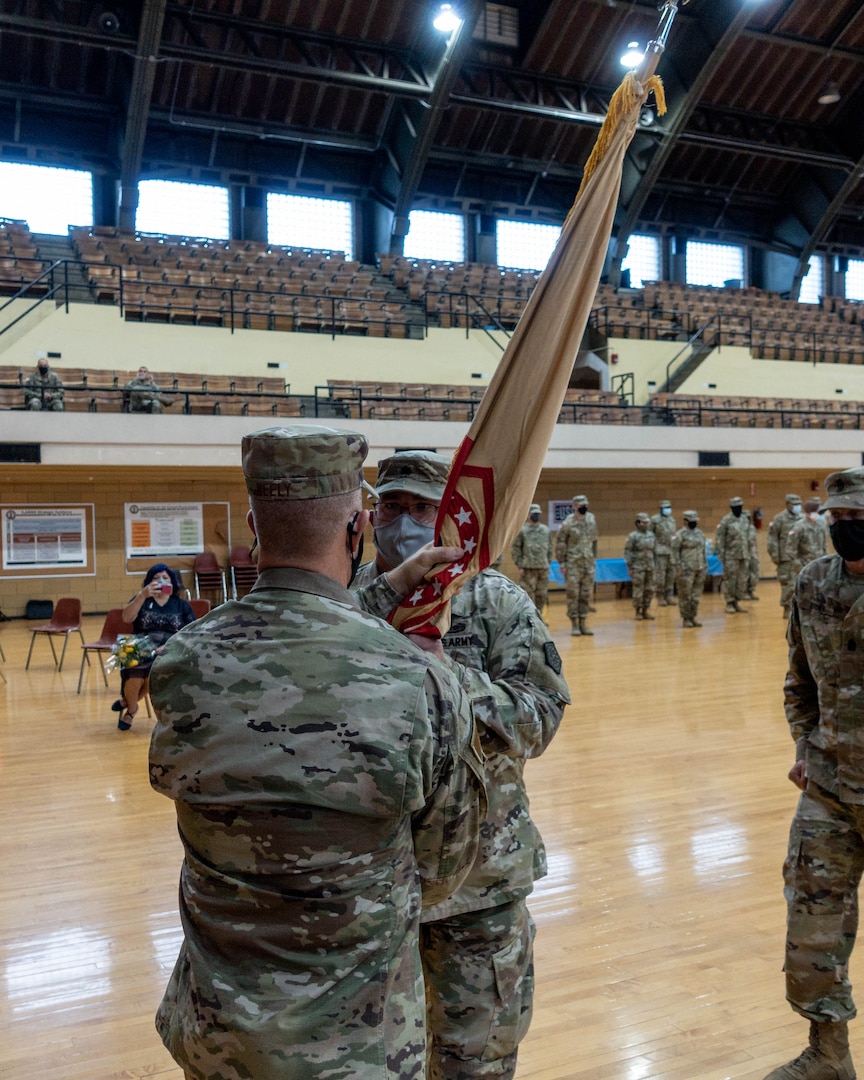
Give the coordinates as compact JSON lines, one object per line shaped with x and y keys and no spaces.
{"x":157,"y":611}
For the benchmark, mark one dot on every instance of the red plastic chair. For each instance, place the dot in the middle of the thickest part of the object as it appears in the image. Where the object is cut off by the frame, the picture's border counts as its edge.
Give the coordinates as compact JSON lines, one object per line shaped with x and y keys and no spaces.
{"x":209,"y":575}
{"x":200,"y":607}
{"x":112,"y":628}
{"x":244,"y":572}
{"x":66,"y":620}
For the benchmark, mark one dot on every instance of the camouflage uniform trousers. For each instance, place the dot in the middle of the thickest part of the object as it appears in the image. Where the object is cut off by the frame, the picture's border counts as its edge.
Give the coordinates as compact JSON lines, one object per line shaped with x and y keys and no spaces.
{"x":690,"y":583}
{"x":664,"y":575}
{"x":786,"y":575}
{"x":479,"y":971}
{"x":536,"y":584}
{"x":643,"y":586}
{"x":735,"y":579}
{"x":580,"y":587}
{"x":821,"y":875}
{"x":752,"y":575}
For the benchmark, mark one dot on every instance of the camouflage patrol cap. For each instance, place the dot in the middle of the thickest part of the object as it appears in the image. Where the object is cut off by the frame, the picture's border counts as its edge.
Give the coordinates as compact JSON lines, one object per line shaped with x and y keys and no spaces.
{"x":420,"y":472}
{"x":690,"y":515}
{"x":811,"y":506}
{"x":665,"y":503}
{"x":643,"y":517}
{"x":736,"y":500}
{"x":303,"y":462}
{"x":579,"y":500}
{"x":535,"y":508}
{"x":795,"y":499}
{"x":845,"y":490}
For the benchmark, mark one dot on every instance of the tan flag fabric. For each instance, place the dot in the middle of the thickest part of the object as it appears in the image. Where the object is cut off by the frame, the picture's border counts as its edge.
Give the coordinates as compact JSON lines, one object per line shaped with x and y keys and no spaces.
{"x":495,"y":471}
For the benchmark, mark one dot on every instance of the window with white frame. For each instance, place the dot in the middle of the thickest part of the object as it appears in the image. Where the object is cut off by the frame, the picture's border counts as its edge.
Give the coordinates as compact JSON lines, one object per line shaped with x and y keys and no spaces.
{"x":302,"y":221}
{"x":525,"y":245}
{"x":434,"y":235}
{"x":48,"y":199}
{"x":855,"y":280}
{"x":713,"y":264}
{"x":181,"y":209}
{"x":811,"y":285}
{"x":642,"y":259}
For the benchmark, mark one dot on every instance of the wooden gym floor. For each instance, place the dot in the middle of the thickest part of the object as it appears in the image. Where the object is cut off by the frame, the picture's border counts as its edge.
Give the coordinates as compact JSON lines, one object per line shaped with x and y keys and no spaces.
{"x":663,"y":802}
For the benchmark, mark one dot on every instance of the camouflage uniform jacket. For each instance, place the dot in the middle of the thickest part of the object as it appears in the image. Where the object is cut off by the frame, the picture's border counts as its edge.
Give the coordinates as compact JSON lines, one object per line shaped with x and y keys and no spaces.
{"x":323,"y":771}
{"x":577,"y":539}
{"x":35,"y":384}
{"x":824,"y":689}
{"x":512,"y":672}
{"x":732,"y":540}
{"x":688,"y":550}
{"x":664,"y":529}
{"x":780,"y":536}
{"x":639,"y":549}
{"x":809,"y":541}
{"x":140,"y":393}
{"x":532,"y":548}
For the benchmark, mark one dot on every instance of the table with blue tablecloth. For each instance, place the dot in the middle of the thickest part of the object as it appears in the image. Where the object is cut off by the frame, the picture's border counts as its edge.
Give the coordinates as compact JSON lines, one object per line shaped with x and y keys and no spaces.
{"x":614,"y":571}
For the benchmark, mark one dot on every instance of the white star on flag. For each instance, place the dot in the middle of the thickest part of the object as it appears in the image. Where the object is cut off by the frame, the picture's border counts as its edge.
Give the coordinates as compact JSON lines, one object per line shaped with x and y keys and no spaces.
{"x":463,"y":517}
{"x":437,"y":587}
{"x":469,"y":545}
{"x":417,"y":597}
{"x":456,"y":569}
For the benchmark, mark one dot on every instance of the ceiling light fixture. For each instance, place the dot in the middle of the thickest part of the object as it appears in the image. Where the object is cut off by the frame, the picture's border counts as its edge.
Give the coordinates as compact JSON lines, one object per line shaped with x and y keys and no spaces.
{"x":446,"y":20}
{"x":830,"y":94}
{"x":634,"y":55}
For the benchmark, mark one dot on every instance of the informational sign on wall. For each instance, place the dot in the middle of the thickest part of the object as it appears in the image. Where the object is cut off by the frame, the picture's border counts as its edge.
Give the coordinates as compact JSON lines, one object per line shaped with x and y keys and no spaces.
{"x":163,"y":529}
{"x":43,"y":538}
{"x":558,"y":510}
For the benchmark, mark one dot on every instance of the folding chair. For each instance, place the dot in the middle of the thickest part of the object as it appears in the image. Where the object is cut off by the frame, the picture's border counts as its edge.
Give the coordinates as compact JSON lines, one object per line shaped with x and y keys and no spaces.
{"x":66,"y":620}
{"x":112,"y":628}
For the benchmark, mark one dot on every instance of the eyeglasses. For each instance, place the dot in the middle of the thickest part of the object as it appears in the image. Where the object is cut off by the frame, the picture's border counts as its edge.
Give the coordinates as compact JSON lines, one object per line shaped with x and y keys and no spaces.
{"x":424,"y":513}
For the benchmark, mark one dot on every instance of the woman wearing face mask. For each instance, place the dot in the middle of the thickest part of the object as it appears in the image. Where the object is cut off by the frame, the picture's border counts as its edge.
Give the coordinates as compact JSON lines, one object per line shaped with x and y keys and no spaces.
{"x":691,"y":565}
{"x":158,"y":611}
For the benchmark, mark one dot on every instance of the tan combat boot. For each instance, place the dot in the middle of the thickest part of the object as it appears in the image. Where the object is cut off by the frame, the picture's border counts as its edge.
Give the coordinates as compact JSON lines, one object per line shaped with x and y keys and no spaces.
{"x":695,"y":622}
{"x":731,"y":609}
{"x":689,"y":622}
{"x":826,"y":1058}
{"x":639,"y":616}
{"x":645,"y":615}
{"x":574,"y":628}
{"x":584,"y":629}
{"x":741,"y":610}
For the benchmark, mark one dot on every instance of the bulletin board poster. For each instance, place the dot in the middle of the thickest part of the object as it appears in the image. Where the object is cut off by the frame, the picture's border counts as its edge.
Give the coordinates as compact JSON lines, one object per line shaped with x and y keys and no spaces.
{"x":559,"y":509}
{"x":163,"y":529}
{"x":47,"y":538}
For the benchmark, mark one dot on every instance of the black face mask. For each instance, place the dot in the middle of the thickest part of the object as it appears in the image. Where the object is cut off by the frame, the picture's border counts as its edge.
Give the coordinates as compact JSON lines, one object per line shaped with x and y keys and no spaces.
{"x":582,"y":509}
{"x":358,"y":558}
{"x":736,"y":510}
{"x":692,"y":524}
{"x":848,"y":539}
{"x":535,"y":517}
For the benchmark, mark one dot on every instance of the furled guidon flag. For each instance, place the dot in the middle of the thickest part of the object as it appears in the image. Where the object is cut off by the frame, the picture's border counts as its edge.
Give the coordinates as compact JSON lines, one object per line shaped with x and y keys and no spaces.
{"x":495,"y":471}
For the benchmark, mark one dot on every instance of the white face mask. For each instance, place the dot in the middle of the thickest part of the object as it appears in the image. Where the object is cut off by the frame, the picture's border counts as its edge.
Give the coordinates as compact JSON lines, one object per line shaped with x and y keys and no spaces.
{"x":666,"y":511}
{"x":796,"y":509}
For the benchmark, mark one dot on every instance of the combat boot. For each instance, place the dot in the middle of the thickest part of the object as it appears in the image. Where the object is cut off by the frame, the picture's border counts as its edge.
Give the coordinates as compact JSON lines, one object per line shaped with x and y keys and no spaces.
{"x":584,"y":629}
{"x":695,"y":622}
{"x":751,"y":596}
{"x":639,"y":615}
{"x":645,"y":615}
{"x":731,"y":609}
{"x":574,"y":628}
{"x":689,"y":622}
{"x":826,"y":1058}
{"x":662,"y":602}
{"x":741,"y":610}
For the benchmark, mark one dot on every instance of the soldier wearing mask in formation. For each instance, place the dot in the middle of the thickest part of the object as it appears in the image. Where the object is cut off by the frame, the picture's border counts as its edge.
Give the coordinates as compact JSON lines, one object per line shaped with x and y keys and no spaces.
{"x":825,"y":860}
{"x":780,"y":548}
{"x":691,"y":566}
{"x":663,"y":526}
{"x":576,"y":551}
{"x":809,"y":538}
{"x":532,"y":553}
{"x":477,"y":946}
{"x":732,"y":544}
{"x":639,"y":556}
{"x":327,"y":781}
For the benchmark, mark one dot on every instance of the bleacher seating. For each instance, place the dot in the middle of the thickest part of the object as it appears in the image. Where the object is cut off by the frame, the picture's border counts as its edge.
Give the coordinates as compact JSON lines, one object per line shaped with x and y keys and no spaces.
{"x":19,"y":258}
{"x":707,"y":410}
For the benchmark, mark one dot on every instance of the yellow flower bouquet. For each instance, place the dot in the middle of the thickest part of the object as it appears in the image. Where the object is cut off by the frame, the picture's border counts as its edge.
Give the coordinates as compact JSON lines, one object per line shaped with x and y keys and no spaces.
{"x":130,"y":650}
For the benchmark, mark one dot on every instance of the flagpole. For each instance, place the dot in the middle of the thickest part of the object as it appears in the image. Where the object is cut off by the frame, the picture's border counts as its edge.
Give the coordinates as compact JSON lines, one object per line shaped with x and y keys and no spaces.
{"x":657,"y":45}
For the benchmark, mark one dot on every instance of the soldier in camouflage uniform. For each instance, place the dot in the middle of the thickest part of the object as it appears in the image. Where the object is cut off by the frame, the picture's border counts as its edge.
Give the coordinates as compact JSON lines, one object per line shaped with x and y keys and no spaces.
{"x":691,"y":566}
{"x":753,"y":560}
{"x":325,"y":775}
{"x":663,"y":526}
{"x":809,"y":537}
{"x":823,"y":697}
{"x":639,"y":556}
{"x":576,"y":551}
{"x":732,"y":544}
{"x":477,"y":946}
{"x":780,"y":548}
{"x":532,"y":553}
{"x":43,"y":389}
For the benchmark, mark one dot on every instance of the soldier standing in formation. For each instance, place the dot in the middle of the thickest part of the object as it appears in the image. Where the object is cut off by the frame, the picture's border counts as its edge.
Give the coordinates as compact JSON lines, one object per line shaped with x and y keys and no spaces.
{"x":532,"y":553}
{"x":732,"y":544}
{"x":663,"y":526}
{"x":691,"y":566}
{"x":809,"y":538}
{"x":639,"y":556}
{"x":476,"y":947}
{"x":576,"y":551}
{"x":825,"y":857}
{"x":780,"y":548}
{"x":322,"y":780}
{"x":752,"y":560}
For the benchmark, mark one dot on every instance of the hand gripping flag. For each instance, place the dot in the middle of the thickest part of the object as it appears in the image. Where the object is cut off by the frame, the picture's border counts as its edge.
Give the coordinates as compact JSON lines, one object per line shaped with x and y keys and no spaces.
{"x":496,"y":468}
